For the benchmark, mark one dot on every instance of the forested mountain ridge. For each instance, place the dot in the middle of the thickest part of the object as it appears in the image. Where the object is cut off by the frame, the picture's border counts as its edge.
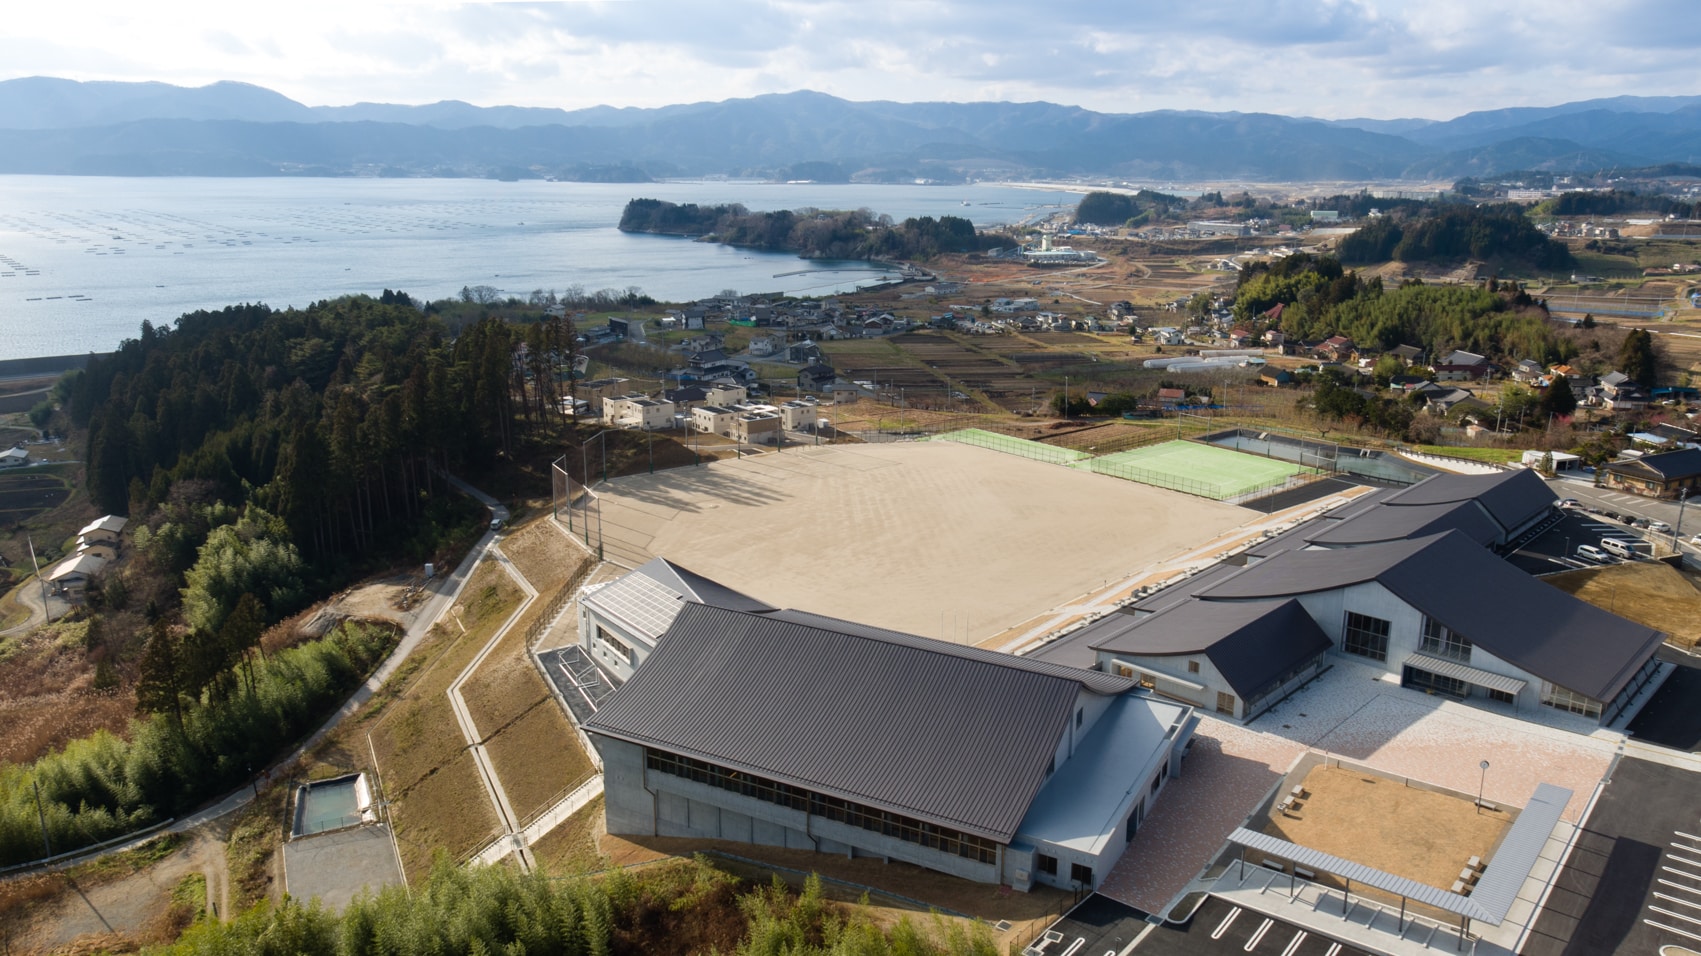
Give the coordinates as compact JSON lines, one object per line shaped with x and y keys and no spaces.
{"x":59,"y":126}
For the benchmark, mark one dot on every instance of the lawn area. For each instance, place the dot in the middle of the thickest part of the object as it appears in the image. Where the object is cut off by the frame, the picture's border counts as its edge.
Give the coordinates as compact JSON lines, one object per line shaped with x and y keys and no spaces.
{"x":429,"y":777}
{"x":1495,"y":456}
{"x":538,"y":759}
{"x":1647,"y":592}
{"x":1195,"y":468}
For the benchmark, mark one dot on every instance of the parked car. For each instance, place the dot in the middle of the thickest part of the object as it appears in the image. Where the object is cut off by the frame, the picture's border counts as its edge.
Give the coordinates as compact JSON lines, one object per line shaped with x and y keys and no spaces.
{"x":1568,"y":503}
{"x":1659,"y":527}
{"x":1589,"y":552}
{"x":1630,"y":519}
{"x":1622,"y":548}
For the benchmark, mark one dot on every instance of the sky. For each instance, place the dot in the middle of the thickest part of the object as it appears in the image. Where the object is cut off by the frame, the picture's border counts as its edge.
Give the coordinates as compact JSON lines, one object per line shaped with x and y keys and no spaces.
{"x":1332,"y":59}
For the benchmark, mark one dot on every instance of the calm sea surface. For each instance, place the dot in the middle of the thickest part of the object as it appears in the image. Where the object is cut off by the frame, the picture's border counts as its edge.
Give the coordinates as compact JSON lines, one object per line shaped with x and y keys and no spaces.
{"x":84,"y":260}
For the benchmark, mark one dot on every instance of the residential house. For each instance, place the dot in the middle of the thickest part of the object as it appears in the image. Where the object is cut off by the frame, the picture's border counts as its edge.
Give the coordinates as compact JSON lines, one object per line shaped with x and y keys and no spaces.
{"x":1336,"y":348}
{"x":713,"y":420}
{"x":104,"y":550}
{"x":1528,"y":371}
{"x":757,"y":425}
{"x":1239,"y":338}
{"x":1667,"y":475}
{"x":1172,"y":397}
{"x":1274,"y":377}
{"x":105,"y":529}
{"x":1461,"y":366}
{"x":1619,"y":393}
{"x":806,"y":352}
{"x":686,"y":397}
{"x":800,"y":415}
{"x":1408,"y":355}
{"x":14,"y":458}
{"x":637,"y":411}
{"x":70,"y":578}
{"x":724,"y":393}
{"x":1275,"y":338}
{"x":765,"y":345}
{"x":816,"y":378}
{"x":593,"y":392}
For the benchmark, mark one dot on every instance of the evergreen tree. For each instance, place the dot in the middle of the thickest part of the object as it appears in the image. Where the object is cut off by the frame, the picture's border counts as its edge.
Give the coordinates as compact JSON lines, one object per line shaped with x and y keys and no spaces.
{"x":1636,"y":357}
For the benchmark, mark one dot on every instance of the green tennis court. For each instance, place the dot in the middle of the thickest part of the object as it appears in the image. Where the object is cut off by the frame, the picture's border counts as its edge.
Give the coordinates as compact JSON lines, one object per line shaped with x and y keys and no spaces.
{"x":1196,"y":469}
{"x":1010,"y":445}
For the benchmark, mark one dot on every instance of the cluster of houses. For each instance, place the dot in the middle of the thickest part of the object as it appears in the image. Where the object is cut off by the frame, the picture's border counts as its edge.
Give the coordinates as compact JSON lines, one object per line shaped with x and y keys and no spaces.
{"x":712,"y":408}
{"x":790,"y":320}
{"x":97,"y":544}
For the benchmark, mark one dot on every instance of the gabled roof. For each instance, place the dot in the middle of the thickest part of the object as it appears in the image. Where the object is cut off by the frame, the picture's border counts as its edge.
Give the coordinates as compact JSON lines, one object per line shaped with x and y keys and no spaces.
{"x":111,"y":524}
{"x":82,"y":564}
{"x":951,"y":735}
{"x":1253,"y":644}
{"x":19,"y":453}
{"x":1462,"y":357}
{"x":1511,"y":498}
{"x":1669,"y":466}
{"x":1396,"y":524}
{"x":1448,"y":577}
{"x":649,"y":598}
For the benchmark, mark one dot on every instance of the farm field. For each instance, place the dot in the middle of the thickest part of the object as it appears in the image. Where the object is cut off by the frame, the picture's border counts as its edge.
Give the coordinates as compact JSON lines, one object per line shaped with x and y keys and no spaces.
{"x":28,"y":492}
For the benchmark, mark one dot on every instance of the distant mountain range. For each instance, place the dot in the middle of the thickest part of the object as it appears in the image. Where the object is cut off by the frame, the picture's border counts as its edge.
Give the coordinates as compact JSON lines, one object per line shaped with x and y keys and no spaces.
{"x":57,"y":126}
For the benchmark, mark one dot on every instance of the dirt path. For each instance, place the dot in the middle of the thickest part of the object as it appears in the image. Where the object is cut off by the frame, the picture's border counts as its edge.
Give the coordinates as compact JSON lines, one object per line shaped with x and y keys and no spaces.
{"x":94,"y":913}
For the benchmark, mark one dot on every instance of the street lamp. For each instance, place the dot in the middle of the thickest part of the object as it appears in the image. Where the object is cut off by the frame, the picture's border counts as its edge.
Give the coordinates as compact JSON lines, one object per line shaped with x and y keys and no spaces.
{"x":1480,"y":784}
{"x":1676,"y":529}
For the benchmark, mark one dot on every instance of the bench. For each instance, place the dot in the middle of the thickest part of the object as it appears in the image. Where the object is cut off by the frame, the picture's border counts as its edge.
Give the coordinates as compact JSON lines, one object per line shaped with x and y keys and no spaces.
{"x":1277,"y":865}
{"x":1474,"y":863}
{"x":1301,"y":871}
{"x":1467,"y":875}
{"x":1297,"y":791}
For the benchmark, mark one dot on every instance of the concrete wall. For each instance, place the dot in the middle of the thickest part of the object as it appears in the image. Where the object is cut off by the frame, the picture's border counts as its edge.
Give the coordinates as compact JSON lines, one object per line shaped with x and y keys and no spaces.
{"x":610,"y":658}
{"x":684,"y":808}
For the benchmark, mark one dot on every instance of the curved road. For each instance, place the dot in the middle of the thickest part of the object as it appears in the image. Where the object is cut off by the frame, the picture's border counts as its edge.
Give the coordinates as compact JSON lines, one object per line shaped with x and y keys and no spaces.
{"x":447,"y":589}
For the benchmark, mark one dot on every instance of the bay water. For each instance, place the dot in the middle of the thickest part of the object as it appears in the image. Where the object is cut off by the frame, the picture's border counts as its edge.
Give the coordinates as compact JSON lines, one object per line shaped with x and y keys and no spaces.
{"x":84,"y":260}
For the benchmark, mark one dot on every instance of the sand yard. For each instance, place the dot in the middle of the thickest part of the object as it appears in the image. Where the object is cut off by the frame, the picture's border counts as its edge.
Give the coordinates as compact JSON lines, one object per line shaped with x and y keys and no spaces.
{"x":1378,"y":821}
{"x":934,"y":538}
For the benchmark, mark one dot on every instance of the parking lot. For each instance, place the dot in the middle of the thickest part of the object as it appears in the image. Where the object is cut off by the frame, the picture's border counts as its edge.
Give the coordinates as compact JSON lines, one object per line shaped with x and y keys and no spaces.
{"x":1556,"y":549}
{"x":1632,"y":883}
{"x":1098,"y":925}
{"x":1223,"y":928}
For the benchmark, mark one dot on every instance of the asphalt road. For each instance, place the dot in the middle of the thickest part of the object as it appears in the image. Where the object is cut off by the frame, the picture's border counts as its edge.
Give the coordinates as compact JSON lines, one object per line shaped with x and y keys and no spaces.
{"x":1632,"y":883}
{"x":1670,"y":718}
{"x":1098,"y":924}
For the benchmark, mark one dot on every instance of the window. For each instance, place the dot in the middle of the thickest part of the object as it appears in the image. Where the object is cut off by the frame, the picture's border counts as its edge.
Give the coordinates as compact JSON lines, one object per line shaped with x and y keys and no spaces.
{"x":1365,"y":636}
{"x":1081,"y":874}
{"x":1122,"y":670}
{"x":1225,"y":703}
{"x":615,"y":644}
{"x":1441,"y":642}
{"x":1133,"y":826}
{"x":848,"y":812}
{"x":1192,"y":667}
{"x":1436,"y":683}
{"x":1080,"y":714}
{"x":1504,"y":697}
{"x":1560,"y":698}
{"x":1045,"y":864}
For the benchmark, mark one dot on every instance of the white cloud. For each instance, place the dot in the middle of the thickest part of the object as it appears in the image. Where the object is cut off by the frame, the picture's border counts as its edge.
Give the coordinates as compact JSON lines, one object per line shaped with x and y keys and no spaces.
{"x":1329,"y":58}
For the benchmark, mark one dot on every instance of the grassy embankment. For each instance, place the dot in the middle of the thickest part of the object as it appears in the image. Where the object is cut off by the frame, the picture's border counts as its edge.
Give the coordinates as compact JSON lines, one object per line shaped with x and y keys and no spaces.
{"x":428,"y":775}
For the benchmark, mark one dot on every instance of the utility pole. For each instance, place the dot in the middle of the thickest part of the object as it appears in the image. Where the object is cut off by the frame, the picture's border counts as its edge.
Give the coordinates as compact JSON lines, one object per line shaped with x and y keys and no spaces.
{"x":46,"y":612}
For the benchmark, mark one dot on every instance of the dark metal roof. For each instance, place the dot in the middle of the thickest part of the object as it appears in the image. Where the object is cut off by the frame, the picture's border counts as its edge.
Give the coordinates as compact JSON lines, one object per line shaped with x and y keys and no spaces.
{"x":1670,"y":466}
{"x":695,"y":587}
{"x":1394,"y":523}
{"x":1511,"y":498}
{"x":948,"y":734}
{"x":1518,"y":619}
{"x":1253,"y":644}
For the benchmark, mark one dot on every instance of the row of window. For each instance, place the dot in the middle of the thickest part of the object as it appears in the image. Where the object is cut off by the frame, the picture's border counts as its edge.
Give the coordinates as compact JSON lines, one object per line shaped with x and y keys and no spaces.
{"x":1367,"y":636}
{"x":1560,"y":698}
{"x":616,"y":644}
{"x":1082,"y":875}
{"x":848,"y":812}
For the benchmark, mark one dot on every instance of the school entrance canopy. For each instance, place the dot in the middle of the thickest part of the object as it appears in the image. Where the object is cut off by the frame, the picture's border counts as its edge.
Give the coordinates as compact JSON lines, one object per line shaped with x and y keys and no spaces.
{"x":1489,"y":901}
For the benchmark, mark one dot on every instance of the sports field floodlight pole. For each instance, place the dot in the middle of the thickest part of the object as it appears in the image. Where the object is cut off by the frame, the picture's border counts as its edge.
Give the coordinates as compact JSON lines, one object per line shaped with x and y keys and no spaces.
{"x":1483,"y":781}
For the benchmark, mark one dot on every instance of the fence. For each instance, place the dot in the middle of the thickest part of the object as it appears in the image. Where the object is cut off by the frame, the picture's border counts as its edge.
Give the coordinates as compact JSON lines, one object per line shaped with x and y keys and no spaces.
{"x":1215,"y":490}
{"x":1011,"y":445}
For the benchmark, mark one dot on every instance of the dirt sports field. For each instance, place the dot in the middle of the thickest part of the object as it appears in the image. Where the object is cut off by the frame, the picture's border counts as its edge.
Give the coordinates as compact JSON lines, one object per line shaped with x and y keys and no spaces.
{"x":933,"y":538}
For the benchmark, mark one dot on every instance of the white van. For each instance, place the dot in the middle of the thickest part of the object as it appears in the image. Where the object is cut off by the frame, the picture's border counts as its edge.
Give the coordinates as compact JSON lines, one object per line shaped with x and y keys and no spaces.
{"x":1623,"y":547}
{"x":1589,"y":552}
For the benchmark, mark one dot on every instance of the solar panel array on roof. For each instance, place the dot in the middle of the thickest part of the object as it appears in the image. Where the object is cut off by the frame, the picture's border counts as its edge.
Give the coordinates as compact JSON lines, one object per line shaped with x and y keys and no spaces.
{"x":640,"y":601}
{"x":950,"y":735}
